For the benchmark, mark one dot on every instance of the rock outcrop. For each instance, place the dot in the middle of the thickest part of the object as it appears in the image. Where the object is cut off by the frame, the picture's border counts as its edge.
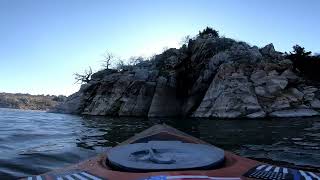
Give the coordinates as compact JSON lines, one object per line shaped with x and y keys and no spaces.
{"x":208,"y":77}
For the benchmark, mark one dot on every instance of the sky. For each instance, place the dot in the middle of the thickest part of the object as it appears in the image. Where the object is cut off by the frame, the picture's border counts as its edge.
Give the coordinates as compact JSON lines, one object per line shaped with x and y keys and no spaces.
{"x":44,"y":42}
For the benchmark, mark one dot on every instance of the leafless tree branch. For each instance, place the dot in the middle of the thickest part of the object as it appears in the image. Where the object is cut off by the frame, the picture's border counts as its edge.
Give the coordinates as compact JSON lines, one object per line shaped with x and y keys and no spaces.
{"x":83,"y":78}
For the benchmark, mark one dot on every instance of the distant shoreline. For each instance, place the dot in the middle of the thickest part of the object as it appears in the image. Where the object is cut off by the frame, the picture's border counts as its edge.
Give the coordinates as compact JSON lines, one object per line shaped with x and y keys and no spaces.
{"x":15,"y":109}
{"x":29,"y":102}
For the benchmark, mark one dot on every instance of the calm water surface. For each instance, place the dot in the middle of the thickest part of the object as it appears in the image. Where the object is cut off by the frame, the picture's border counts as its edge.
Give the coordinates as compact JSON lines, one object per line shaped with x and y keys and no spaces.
{"x":34,"y":142}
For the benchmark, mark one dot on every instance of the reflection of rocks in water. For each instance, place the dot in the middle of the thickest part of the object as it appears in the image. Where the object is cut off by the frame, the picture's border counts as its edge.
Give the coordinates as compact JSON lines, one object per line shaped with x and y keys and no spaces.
{"x":280,"y":154}
{"x":313,"y":135}
{"x":109,"y":131}
{"x":306,"y":144}
{"x":85,"y":145}
{"x":292,"y":141}
{"x":278,"y":141}
{"x":189,"y":126}
{"x":315,"y":127}
{"x":297,"y":139}
{"x":233,"y":134}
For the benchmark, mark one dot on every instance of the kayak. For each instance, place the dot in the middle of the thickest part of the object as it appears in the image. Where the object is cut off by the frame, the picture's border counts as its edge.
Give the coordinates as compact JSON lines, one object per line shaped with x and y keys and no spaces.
{"x":162,"y":153}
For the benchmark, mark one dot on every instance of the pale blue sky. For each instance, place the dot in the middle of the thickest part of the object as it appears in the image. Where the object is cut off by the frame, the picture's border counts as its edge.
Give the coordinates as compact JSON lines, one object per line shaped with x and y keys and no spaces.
{"x":43,"y":42}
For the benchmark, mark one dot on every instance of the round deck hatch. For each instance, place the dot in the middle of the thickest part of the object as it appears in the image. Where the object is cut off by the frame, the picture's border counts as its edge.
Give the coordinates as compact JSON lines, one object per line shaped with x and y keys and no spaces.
{"x":165,"y":155}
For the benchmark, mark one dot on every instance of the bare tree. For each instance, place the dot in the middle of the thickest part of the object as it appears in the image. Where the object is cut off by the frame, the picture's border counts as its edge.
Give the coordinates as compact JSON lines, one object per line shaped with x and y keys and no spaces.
{"x":120,"y":65}
{"x":134,"y":60}
{"x":185,"y":40}
{"x":108,"y":58}
{"x":83,"y":78}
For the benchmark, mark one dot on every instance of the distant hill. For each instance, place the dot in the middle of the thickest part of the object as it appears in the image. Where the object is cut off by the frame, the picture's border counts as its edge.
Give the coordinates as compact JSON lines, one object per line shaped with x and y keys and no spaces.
{"x":27,"y":101}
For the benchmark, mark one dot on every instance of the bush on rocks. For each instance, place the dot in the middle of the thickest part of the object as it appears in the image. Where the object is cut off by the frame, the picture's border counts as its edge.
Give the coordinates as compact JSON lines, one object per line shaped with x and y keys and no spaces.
{"x":304,"y":63}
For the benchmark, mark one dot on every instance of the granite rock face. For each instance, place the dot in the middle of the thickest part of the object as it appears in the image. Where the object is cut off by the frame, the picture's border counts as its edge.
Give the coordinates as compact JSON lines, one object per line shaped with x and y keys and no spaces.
{"x":164,"y":102}
{"x":230,"y":95}
{"x":208,"y":77}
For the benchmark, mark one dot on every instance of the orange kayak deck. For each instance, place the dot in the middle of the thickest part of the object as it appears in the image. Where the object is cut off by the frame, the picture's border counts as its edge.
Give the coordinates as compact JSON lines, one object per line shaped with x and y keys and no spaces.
{"x":234,"y":165}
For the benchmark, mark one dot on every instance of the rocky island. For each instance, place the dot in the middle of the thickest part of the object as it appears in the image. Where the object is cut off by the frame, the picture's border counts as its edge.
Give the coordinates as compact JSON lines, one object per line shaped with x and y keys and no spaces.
{"x":209,"y":76}
{"x":30,"y":102}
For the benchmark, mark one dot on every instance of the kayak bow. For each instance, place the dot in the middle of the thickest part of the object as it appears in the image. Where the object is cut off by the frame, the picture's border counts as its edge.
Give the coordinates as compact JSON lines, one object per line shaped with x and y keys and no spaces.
{"x":162,"y":152}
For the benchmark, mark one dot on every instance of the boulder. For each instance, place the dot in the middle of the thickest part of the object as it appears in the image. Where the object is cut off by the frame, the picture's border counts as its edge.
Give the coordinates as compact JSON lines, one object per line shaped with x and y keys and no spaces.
{"x":280,"y":103}
{"x":217,"y":60}
{"x":293,"y":95}
{"x":258,"y":77}
{"x":261,"y":91}
{"x":291,"y":76}
{"x":203,"y":49}
{"x":273,"y":73}
{"x":269,"y":52}
{"x":274,"y":84}
{"x":268,"y":84}
{"x":243,"y":53}
{"x":309,"y":97}
{"x":315,"y":104}
{"x":309,"y":90}
{"x":259,"y":114}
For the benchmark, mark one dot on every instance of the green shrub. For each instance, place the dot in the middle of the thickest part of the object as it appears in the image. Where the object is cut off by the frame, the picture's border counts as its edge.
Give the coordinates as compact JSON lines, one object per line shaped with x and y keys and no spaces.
{"x":304,"y":63}
{"x":209,"y":32}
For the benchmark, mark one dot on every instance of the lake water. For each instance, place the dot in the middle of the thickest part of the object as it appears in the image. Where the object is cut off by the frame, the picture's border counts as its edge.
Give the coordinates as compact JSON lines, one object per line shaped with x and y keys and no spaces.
{"x":33,"y":142}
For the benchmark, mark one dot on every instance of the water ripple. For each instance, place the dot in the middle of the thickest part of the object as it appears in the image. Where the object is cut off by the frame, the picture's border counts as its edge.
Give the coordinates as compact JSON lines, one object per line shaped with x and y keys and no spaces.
{"x":35,"y":142}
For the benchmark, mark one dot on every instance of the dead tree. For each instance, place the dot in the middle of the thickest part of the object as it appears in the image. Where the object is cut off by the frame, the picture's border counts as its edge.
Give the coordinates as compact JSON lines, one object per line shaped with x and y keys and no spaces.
{"x":134,"y":60}
{"x":83,"y":78}
{"x":108,"y":58}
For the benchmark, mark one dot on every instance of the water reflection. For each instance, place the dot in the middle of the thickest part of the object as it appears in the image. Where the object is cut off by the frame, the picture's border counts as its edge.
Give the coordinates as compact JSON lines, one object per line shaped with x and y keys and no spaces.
{"x":286,"y":141}
{"x":109,"y":131}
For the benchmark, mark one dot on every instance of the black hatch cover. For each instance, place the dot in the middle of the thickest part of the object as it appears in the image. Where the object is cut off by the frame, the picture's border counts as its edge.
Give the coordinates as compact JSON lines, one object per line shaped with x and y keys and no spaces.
{"x":165,"y":155}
